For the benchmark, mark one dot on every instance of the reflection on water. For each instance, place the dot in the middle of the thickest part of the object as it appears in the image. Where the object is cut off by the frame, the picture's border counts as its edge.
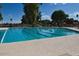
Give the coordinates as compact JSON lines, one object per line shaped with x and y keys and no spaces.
{"x":38,"y":32}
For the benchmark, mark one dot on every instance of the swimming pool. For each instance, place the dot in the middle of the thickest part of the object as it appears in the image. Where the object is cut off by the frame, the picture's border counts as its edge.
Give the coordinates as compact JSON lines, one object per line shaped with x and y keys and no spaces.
{"x":1,"y":34}
{"x":31,"y":33}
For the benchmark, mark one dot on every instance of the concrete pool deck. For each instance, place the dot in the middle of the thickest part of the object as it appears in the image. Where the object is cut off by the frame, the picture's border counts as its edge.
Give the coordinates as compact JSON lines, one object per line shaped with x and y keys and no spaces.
{"x":59,"y":46}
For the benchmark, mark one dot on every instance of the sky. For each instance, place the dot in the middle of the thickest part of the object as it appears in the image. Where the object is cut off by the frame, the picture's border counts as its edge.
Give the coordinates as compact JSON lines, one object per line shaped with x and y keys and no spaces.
{"x":15,"y":10}
{"x":71,"y":9}
{"x":12,"y":10}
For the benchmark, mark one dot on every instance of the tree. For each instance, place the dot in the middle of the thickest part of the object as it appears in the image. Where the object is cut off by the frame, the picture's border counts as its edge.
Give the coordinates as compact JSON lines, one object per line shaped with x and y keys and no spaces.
{"x":58,"y":17}
{"x":77,"y":15}
{"x":69,"y":21}
{"x":39,"y":16}
{"x":1,"y":18}
{"x":11,"y":20}
{"x":0,"y":6}
{"x":31,"y":11}
{"x":45,"y":22}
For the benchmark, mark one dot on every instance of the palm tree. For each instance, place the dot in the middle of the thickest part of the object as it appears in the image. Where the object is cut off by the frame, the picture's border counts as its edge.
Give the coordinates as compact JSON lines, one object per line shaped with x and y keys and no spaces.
{"x":39,"y":16}
{"x":0,"y":6}
{"x":1,"y":18}
{"x":77,"y":16}
{"x":11,"y":20}
{"x":31,"y":11}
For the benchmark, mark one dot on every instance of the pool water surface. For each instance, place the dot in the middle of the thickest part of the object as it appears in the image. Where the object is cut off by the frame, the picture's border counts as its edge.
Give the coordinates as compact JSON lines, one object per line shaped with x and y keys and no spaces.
{"x":32,"y":33}
{"x":1,"y":34}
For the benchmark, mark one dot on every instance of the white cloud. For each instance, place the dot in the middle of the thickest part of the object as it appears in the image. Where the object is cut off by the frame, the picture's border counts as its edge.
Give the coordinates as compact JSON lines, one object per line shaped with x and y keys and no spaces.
{"x":57,"y":3}
{"x":43,"y":13}
{"x":64,"y":3}
{"x":73,"y":15}
{"x":46,"y":17}
{"x":52,"y":3}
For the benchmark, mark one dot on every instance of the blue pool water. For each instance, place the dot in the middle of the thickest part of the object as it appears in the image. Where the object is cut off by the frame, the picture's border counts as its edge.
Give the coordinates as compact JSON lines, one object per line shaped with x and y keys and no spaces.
{"x":31,"y":33}
{"x":1,"y":34}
